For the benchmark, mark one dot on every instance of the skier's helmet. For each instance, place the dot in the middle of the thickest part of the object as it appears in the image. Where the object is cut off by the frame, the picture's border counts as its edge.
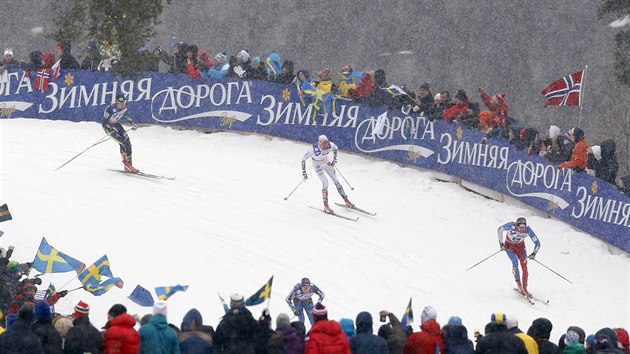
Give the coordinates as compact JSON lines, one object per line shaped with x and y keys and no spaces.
{"x":521,"y":221}
{"x":121,"y":98}
{"x":306,"y":282}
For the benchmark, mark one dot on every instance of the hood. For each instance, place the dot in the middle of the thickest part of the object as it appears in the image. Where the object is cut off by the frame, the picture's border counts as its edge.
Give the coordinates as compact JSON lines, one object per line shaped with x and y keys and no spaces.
{"x":608,"y":149}
{"x":456,"y":331}
{"x":432,"y":327}
{"x":327,"y":327}
{"x":364,"y":322}
{"x":541,"y":327}
{"x":124,"y":319}
{"x":192,"y":321}
{"x":159,"y":321}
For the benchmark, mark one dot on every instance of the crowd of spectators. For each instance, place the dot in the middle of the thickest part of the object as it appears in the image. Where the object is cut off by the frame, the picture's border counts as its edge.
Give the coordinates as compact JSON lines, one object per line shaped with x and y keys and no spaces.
{"x":568,"y":150}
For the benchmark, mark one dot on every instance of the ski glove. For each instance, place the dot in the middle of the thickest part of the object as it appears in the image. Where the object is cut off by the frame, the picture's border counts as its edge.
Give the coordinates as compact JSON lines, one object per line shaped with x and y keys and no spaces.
{"x":304,"y":175}
{"x":63,"y":293}
{"x":334,"y":162}
{"x":134,"y":126}
{"x":294,"y":310}
{"x":502,"y":246}
{"x":532,"y":255}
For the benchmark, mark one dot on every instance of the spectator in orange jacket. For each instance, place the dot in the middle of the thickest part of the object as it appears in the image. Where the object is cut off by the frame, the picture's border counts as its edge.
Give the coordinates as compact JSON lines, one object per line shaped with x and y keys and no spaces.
{"x":496,"y":104}
{"x":120,"y":337}
{"x":579,"y":156}
{"x":429,"y":338}
{"x":326,"y":336}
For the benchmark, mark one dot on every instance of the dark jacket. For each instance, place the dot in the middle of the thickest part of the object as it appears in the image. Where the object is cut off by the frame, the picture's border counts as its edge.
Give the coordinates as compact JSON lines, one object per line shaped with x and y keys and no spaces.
{"x":499,"y":341}
{"x":394,"y":334}
{"x":606,"y":169}
{"x":192,"y":340}
{"x":292,"y":343}
{"x":20,"y":338}
{"x":67,"y":60}
{"x":540,"y":330}
{"x":83,"y":338}
{"x":456,"y":340}
{"x":365,"y":342}
{"x":48,"y":335}
{"x":236,"y":333}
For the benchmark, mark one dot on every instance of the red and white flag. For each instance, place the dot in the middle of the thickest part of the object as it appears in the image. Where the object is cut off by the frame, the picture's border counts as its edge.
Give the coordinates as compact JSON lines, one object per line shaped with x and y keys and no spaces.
{"x":56,"y":69}
{"x":42,"y":79}
{"x":566,"y":91}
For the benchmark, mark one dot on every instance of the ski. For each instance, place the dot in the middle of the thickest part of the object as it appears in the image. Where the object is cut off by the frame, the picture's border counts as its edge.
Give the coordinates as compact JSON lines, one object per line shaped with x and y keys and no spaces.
{"x":335,"y":214}
{"x":546,"y":302}
{"x":142,"y":174}
{"x":531,"y":302}
{"x":357,"y":209}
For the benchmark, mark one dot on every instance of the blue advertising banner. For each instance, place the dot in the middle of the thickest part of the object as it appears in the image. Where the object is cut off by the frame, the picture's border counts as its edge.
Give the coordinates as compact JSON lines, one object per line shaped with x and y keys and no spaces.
{"x":269,"y":108}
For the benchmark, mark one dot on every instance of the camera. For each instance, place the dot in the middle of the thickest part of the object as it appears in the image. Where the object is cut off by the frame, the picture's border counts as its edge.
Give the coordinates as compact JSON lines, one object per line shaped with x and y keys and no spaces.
{"x":383,"y":318}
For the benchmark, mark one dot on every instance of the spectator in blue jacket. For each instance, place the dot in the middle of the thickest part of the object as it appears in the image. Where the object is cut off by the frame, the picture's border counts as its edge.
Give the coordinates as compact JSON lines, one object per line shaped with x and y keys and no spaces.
{"x":157,"y":337}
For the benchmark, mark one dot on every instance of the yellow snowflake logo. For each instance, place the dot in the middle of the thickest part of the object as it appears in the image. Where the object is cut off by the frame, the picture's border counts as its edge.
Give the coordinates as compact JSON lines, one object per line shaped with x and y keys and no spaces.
{"x":594,"y":187}
{"x":286,"y":94}
{"x":552,"y":205}
{"x":68,"y":79}
{"x":413,"y":155}
{"x":460,"y":133}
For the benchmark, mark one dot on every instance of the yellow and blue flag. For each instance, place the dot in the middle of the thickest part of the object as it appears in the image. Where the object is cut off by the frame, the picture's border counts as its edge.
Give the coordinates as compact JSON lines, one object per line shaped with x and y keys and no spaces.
{"x":164,"y":292}
{"x":49,"y":260}
{"x":407,"y":319}
{"x":226,"y":308}
{"x":92,"y":274}
{"x":4,"y":213}
{"x":261,"y":295}
{"x":102,"y":288}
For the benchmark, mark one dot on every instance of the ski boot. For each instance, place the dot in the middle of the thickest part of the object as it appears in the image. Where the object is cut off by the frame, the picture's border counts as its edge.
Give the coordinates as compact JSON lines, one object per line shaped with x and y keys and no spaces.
{"x":126,"y":159}
{"x":327,"y":209}
{"x":520,"y":288}
{"x":349,"y":204}
{"x":525,"y":292}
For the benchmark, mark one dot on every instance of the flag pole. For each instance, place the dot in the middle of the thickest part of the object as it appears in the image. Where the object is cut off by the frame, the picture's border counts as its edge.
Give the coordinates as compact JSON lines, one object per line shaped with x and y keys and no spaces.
{"x":582,"y":94}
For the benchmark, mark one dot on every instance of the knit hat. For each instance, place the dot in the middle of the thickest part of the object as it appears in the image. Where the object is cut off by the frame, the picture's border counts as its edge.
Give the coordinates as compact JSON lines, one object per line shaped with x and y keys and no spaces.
{"x":571,"y":337}
{"x":597,"y":152}
{"x":579,"y":331}
{"x":8,"y":51}
{"x":498,"y":317}
{"x":319,"y":312}
{"x":160,"y":308}
{"x":221,"y":57}
{"x":428,"y":313}
{"x":438,"y":96}
{"x":237,"y":300}
{"x":425,"y":86}
{"x":81,"y":310}
{"x":455,"y":320}
{"x":256,"y":60}
{"x":283,"y":321}
{"x":42,"y":310}
{"x":554,"y":132}
{"x":117,"y":310}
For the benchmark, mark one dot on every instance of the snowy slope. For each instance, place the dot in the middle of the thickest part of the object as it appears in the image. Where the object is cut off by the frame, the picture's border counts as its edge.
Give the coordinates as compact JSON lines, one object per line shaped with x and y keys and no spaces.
{"x":222,"y":227}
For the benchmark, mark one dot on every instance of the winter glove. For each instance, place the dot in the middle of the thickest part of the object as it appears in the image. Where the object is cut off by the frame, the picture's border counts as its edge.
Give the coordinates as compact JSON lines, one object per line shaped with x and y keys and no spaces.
{"x":333,"y":163}
{"x":294,"y":310}
{"x":63,"y":293}
{"x":532,"y":255}
{"x":502,"y":246}
{"x":134,"y":126}
{"x":304,"y":175}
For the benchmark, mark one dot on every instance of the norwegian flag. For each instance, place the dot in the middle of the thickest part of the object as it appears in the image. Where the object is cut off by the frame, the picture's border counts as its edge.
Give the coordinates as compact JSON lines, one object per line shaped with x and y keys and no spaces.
{"x":42,"y":79}
{"x":565,"y":92}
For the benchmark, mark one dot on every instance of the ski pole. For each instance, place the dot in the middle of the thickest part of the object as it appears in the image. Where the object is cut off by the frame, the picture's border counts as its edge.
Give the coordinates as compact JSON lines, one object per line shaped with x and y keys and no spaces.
{"x":483,"y":260}
{"x":344,"y":178}
{"x":101,"y":140}
{"x":553,"y":271}
{"x":294,"y":189}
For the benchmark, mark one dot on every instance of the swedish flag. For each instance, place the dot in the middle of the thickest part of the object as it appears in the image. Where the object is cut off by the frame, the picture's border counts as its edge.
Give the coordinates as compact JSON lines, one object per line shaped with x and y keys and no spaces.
{"x":102,"y":288}
{"x":4,"y":213}
{"x":49,"y":260}
{"x":164,"y":292}
{"x":92,"y":274}
{"x":261,"y":295}
{"x":226,"y":308}
{"x":407,"y":318}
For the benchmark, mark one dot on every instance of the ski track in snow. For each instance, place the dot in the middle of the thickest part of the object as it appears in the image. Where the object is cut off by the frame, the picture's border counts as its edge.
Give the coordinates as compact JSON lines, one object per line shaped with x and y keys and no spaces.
{"x":223,"y":226}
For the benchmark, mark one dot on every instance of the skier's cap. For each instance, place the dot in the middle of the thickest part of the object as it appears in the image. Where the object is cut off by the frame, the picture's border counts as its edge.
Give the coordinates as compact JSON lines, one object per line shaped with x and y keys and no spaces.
{"x":498,"y":317}
{"x":305,"y":281}
{"x":322,"y":138}
{"x":8,"y":51}
{"x":121,"y":98}
{"x":521,"y":221}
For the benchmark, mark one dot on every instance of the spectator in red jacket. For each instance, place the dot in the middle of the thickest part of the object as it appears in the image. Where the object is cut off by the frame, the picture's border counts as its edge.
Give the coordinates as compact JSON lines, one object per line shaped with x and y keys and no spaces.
{"x":579,"y":156}
{"x":120,"y":337}
{"x":326,"y":336}
{"x":496,"y":104}
{"x":459,"y":110}
{"x":429,"y":338}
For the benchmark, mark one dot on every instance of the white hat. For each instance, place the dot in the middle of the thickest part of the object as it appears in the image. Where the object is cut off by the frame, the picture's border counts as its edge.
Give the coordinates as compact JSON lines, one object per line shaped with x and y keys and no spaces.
{"x":243,"y":55}
{"x":221,"y":57}
{"x":511,"y":321}
{"x":160,"y":308}
{"x":8,"y":51}
{"x":428,"y":313}
{"x":322,"y":138}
